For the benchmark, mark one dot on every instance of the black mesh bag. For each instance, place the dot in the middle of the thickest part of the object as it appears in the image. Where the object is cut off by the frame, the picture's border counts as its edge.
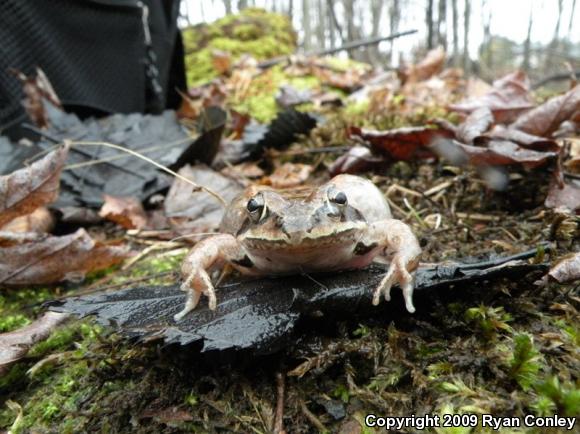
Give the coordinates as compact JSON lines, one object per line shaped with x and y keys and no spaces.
{"x":96,"y":54}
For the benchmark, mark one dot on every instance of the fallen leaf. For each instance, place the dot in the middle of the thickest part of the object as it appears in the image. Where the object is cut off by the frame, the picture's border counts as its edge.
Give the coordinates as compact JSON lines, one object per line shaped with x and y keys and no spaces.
{"x":475,"y":125}
{"x":37,"y":89}
{"x":14,"y":345}
{"x":521,"y":138}
{"x":356,"y":160}
{"x":566,"y":196}
{"x":496,"y":153}
{"x":125,"y":211}
{"x":167,"y":416}
{"x":40,"y":221}
{"x":289,"y":96}
{"x":507,"y":100}
{"x":190,"y":212}
{"x":221,"y":61}
{"x":211,"y":126}
{"x":567,"y":269}
{"x":546,"y":118}
{"x":403,"y":143}
{"x":289,"y":175}
{"x":43,"y":259}
{"x":23,"y":191}
{"x":261,"y":315}
{"x":429,"y":66}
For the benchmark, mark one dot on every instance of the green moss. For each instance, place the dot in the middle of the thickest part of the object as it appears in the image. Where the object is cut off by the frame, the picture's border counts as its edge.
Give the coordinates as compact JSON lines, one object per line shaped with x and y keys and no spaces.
{"x":564,"y":397}
{"x":261,"y":34}
{"x":11,"y":322}
{"x":525,"y":362}
{"x":489,"y":320}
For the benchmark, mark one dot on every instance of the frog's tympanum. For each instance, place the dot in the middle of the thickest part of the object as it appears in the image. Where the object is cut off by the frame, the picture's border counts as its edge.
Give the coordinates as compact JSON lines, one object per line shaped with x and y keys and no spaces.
{"x":343,"y":224}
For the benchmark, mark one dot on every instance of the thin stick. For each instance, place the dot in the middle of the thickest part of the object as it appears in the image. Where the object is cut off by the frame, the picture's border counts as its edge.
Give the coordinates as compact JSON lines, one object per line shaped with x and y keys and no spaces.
{"x":312,"y":418}
{"x":155,"y":163}
{"x":279,"y":418}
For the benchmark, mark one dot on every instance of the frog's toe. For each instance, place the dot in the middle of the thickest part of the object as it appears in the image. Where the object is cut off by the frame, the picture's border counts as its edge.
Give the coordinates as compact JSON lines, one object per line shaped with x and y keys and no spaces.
{"x":190,"y":304}
{"x":408,"y":295}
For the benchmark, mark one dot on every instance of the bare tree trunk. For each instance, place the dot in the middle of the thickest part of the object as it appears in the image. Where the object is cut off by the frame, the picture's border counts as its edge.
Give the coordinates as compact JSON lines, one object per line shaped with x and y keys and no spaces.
{"x":442,"y":24}
{"x":321,"y":27}
{"x":291,"y":10}
{"x":571,"y":18}
{"x":528,"y":42}
{"x":487,"y":36}
{"x":455,"y":33}
{"x":429,"y":21}
{"x":335,"y":20}
{"x":242,"y":4}
{"x":395,"y":17}
{"x":307,"y":42}
{"x":376,"y":12}
{"x":330,"y":25}
{"x":552,"y":48}
{"x":466,"y":16}
{"x":228,"y":6}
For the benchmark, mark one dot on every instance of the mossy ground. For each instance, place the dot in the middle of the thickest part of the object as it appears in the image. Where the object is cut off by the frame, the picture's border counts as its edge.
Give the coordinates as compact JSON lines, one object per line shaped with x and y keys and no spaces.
{"x":506,"y":348}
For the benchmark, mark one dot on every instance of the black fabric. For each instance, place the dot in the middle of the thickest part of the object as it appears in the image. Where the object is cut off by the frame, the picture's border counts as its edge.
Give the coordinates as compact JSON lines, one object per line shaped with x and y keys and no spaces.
{"x":93,"y":52}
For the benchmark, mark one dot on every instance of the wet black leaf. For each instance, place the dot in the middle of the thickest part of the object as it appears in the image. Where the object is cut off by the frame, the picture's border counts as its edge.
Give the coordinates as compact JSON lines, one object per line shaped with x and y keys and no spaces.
{"x":261,"y":315}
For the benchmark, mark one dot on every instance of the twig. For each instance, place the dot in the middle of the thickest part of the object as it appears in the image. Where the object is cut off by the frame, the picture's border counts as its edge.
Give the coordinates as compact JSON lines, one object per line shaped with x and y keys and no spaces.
{"x":348,"y":46}
{"x":279,"y":418}
{"x":312,"y":418}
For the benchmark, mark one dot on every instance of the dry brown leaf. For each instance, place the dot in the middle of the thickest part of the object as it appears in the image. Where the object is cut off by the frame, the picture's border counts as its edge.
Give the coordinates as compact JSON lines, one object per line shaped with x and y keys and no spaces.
{"x":431,"y":65}
{"x":475,"y":125}
{"x":356,"y":160}
{"x":39,"y":221}
{"x":289,"y":175}
{"x":43,"y":259}
{"x":403,"y":143}
{"x":545,"y":119}
{"x":15,"y":344}
{"x":567,"y":269}
{"x":221,"y":61}
{"x":496,"y":153}
{"x":190,"y":212}
{"x":566,"y":196}
{"x":125,"y":211}
{"x":508,"y":98}
{"x":37,"y":89}
{"x":24,"y":190}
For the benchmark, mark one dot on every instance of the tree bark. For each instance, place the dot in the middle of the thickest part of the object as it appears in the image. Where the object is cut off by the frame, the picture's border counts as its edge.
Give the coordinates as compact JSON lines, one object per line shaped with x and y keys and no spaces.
{"x":429,"y":21}
{"x":335,"y":20}
{"x":321,"y":24}
{"x":395,"y":17}
{"x":442,"y":24}
{"x":307,"y":43}
{"x":455,"y":33}
{"x":466,"y":16}
{"x":528,"y":42}
{"x":376,"y":12}
{"x":571,"y":18}
{"x":228,"y":6}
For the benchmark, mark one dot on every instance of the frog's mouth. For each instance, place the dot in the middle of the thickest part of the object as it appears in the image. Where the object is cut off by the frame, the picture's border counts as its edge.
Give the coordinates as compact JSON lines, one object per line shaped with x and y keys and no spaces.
{"x":302,"y":241}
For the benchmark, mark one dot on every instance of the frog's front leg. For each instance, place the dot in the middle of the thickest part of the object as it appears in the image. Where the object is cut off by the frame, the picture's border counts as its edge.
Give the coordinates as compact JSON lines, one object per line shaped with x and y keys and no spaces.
{"x":397,"y":237}
{"x":205,"y":255}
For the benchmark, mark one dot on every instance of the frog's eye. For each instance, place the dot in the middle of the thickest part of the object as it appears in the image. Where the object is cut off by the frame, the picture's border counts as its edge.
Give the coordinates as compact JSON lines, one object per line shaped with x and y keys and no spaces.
{"x":256,"y":207}
{"x":336,"y":196}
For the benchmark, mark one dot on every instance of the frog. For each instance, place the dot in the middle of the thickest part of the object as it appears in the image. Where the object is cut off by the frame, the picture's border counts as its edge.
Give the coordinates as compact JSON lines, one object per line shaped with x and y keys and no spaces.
{"x":343,"y":224}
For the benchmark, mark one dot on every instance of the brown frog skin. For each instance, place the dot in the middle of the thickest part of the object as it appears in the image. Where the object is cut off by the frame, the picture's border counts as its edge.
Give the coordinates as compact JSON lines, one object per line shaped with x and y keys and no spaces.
{"x":343,"y":224}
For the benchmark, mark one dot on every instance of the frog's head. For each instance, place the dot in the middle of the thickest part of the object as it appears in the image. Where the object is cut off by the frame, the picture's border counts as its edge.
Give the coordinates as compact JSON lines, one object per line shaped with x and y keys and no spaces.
{"x":301,"y":218}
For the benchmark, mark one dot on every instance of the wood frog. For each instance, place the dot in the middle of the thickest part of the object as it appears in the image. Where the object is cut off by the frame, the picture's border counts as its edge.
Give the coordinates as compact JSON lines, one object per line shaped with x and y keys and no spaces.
{"x":340,"y":225}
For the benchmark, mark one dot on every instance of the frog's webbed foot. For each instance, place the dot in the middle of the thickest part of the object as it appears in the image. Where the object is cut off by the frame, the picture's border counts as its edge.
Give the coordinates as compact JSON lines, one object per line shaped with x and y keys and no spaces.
{"x":397,"y":237}
{"x":204,"y":256}
{"x":197,"y":283}
{"x":397,"y":273}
